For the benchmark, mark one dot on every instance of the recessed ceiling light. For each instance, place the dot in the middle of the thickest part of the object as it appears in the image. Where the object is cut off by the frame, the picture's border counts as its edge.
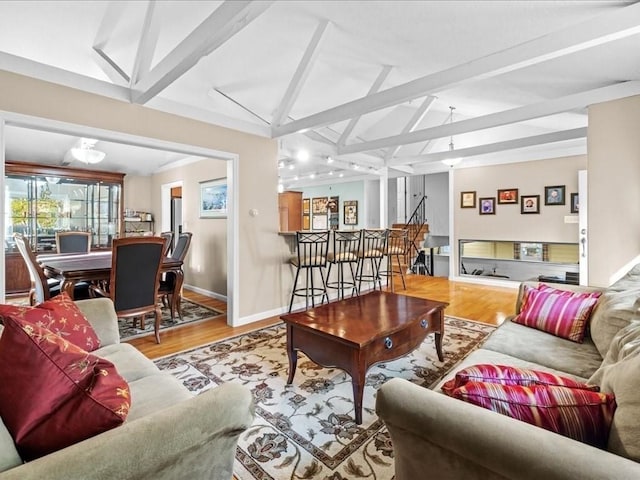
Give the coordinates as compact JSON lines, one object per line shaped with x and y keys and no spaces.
{"x":281,"y":164}
{"x":330,"y":172}
{"x":302,"y":155}
{"x":313,"y":175}
{"x":329,"y":160}
{"x":341,"y":175}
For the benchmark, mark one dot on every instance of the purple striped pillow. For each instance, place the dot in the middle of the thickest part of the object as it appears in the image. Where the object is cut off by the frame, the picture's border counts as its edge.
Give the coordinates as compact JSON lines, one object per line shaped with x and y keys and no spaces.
{"x":558,"y":312}
{"x":583,"y":415}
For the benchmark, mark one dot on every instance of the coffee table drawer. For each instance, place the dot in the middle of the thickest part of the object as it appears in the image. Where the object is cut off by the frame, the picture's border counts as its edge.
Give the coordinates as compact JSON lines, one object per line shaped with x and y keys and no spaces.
{"x":402,"y":342}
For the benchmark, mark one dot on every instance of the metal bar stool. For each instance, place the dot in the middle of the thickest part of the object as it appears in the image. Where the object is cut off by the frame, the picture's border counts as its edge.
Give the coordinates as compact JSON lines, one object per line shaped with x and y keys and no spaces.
{"x":397,"y":247}
{"x":312,"y":253}
{"x":346,"y":245}
{"x":373,"y":243}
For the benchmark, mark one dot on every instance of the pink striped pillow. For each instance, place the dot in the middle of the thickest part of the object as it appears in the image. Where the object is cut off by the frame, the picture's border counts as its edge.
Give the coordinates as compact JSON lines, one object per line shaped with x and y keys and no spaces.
{"x":559,"y":312}
{"x":575,"y":413}
{"x":508,"y":375}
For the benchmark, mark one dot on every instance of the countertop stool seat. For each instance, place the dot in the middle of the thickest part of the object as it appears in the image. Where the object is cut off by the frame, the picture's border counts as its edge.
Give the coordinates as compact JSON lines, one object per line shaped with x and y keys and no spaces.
{"x":346,"y":245}
{"x":397,"y":249}
{"x":373,"y":244}
{"x":311,"y":257}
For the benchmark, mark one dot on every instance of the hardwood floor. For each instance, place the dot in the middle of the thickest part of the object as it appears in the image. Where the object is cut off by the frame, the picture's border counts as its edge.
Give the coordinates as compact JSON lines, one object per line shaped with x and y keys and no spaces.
{"x":474,"y":302}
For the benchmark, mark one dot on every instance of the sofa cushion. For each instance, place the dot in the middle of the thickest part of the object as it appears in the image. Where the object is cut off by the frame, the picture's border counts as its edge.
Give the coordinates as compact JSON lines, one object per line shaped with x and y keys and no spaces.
{"x":72,"y":394}
{"x":130,"y":363}
{"x":154,"y":393}
{"x":540,"y":348}
{"x":615,"y":311}
{"x":583,"y":415}
{"x":619,"y":376}
{"x":60,"y":315}
{"x":560,"y":313}
{"x":510,"y":375}
{"x":9,"y":456}
{"x":102,"y":316}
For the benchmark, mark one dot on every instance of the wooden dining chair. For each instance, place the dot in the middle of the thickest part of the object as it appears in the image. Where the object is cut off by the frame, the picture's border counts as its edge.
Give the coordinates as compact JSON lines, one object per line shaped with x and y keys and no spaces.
{"x":167,"y":291}
{"x":73,"y":242}
{"x":42,"y":288}
{"x":168,"y":241}
{"x":135,"y":278}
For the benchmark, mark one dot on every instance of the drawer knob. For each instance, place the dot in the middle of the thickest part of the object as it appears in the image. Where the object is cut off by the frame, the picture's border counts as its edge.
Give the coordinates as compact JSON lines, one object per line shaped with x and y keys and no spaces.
{"x":424,"y":323}
{"x":388,"y":343}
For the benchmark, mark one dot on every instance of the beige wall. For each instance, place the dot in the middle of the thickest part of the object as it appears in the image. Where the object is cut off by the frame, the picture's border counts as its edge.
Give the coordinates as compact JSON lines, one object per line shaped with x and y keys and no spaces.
{"x":137,"y":195}
{"x":508,"y":223}
{"x":264,"y":280}
{"x":614,"y":189}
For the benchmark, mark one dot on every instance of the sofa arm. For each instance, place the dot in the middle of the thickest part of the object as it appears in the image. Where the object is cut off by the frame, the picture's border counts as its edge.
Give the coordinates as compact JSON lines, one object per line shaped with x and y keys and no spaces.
{"x":438,"y":437}
{"x":194,"y":439}
{"x":102,"y":317}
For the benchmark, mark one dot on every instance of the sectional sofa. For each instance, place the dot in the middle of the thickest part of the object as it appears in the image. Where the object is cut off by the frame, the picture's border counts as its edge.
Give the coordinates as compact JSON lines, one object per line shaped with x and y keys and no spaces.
{"x":168,"y":434}
{"x":435,"y":436}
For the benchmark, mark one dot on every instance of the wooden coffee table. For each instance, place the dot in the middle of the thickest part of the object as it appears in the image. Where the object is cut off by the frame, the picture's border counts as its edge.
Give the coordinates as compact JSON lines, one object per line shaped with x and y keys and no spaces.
{"x":357,"y":333}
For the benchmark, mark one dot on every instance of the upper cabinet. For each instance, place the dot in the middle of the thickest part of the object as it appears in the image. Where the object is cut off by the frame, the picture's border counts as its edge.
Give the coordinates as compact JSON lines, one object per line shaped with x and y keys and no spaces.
{"x":43,"y":200}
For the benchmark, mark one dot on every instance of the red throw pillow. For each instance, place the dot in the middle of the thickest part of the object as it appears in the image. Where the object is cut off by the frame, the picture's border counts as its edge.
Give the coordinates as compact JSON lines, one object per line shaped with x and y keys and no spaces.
{"x":60,"y":315}
{"x":508,"y":375}
{"x":54,"y":394}
{"x":575,"y":413}
{"x":560,"y":313}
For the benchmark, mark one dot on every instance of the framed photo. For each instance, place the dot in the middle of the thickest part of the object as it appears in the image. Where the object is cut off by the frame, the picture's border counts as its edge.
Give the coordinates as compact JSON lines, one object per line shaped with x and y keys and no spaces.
{"x":320,"y":222}
{"x":350,"y":213}
{"x":319,"y":205}
{"x":306,"y":206}
{"x":508,"y":196}
{"x":213,"y":198}
{"x":488,"y":206}
{"x":554,"y":195}
{"x":467,"y":199}
{"x":530,"y":204}
{"x":306,"y":222}
{"x":575,"y":205}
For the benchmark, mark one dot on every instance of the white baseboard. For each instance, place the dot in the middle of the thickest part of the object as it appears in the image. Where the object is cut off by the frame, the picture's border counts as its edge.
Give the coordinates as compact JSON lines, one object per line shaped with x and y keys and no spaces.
{"x":206,"y":293}
{"x":484,"y":280}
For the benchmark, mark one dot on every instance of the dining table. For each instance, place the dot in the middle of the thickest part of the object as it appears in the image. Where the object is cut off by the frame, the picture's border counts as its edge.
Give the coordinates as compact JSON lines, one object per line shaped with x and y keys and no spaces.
{"x":71,"y":268}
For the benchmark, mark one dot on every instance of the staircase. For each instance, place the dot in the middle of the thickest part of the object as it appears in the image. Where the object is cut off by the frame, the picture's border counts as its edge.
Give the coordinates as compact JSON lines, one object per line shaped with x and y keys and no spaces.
{"x":418,"y":230}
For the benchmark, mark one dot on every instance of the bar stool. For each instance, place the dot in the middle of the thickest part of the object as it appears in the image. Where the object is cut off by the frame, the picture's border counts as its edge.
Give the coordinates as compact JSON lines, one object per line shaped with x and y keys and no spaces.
{"x":312,"y":253}
{"x":373,"y":243}
{"x":397,"y":246}
{"x":346,"y":245}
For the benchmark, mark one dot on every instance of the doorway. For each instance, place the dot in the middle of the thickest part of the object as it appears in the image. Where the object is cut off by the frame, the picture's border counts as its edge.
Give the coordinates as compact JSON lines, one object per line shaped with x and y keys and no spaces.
{"x":176,"y":214}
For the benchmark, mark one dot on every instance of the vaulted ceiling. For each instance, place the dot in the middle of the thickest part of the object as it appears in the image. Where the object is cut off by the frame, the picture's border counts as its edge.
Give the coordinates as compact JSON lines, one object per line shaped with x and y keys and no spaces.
{"x":365,"y":87}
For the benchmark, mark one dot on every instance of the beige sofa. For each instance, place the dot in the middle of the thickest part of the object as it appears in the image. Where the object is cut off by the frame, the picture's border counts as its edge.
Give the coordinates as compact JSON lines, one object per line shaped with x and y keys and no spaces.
{"x":438,"y":437}
{"x":169,"y":434}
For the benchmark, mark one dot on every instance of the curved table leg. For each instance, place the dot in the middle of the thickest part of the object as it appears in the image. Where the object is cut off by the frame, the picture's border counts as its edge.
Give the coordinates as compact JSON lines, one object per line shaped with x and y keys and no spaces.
{"x":175,"y":296}
{"x":293,"y":356}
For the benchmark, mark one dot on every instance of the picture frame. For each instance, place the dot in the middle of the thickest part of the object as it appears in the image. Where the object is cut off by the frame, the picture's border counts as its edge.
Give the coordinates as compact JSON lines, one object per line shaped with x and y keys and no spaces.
{"x":306,"y":206}
{"x":529,"y":204}
{"x":333,"y":211}
{"x":213,"y":198}
{"x":487,"y":206}
{"x":319,"y":205}
{"x":467,"y":199}
{"x":554,"y":195}
{"x":508,"y":196}
{"x":575,"y":203}
{"x":350,"y":212}
{"x":306,"y":222}
{"x":319,"y":222}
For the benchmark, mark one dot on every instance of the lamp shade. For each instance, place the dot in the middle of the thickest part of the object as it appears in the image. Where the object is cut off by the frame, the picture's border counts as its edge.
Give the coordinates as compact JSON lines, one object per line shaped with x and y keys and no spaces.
{"x":87,"y":155}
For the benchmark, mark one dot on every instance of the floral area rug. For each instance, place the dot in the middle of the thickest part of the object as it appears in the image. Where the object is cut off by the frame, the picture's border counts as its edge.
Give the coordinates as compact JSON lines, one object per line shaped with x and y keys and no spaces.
{"x":191,"y":312}
{"x":307,"y":430}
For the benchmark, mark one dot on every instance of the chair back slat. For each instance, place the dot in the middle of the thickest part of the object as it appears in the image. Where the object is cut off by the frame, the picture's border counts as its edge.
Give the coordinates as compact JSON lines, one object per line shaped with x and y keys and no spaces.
{"x":135,"y":272}
{"x":373,"y":242}
{"x":73,"y":242}
{"x":346,"y":245}
{"x":36,"y":273}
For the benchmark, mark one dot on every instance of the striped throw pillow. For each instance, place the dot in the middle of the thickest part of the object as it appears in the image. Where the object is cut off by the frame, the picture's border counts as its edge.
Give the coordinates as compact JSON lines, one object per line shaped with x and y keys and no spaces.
{"x":558,"y":312}
{"x":508,"y":375}
{"x":582,"y":415}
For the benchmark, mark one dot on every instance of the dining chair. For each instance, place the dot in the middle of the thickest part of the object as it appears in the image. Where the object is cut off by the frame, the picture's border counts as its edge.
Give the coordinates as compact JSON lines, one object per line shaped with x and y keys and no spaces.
{"x":73,"y":242}
{"x":135,"y":278}
{"x":168,"y":241}
{"x":42,"y":288}
{"x":346,"y":245}
{"x":167,"y":290}
{"x":311,"y":256}
{"x":373,"y":243}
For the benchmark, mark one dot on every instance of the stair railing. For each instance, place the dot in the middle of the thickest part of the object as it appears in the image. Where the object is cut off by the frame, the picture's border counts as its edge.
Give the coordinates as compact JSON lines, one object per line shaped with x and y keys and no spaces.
{"x":414,"y":225}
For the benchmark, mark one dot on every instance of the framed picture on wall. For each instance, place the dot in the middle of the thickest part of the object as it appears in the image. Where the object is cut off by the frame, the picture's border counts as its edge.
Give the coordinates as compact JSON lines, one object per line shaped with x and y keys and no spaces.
{"x":306,"y":206}
{"x":319,"y":205}
{"x":350,"y":213}
{"x":320,"y":222}
{"x":306,"y":222}
{"x":213,"y":198}
{"x":530,"y":204}
{"x":508,"y":196}
{"x":554,"y":195}
{"x":488,"y":206}
{"x":575,"y":205}
{"x":467,"y":199}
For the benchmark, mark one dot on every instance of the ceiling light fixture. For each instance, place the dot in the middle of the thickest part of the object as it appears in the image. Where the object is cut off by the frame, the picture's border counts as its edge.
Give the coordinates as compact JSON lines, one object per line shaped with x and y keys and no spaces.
{"x":451,"y":162}
{"x":302,"y":155}
{"x":281,"y":164}
{"x":329,"y":160}
{"x":85,"y":152}
{"x":312,"y":176}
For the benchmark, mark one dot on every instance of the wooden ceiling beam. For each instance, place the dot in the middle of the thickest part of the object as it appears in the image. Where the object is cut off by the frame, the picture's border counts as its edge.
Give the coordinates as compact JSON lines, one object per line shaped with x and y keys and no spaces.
{"x":415,"y":120}
{"x":608,"y":27}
